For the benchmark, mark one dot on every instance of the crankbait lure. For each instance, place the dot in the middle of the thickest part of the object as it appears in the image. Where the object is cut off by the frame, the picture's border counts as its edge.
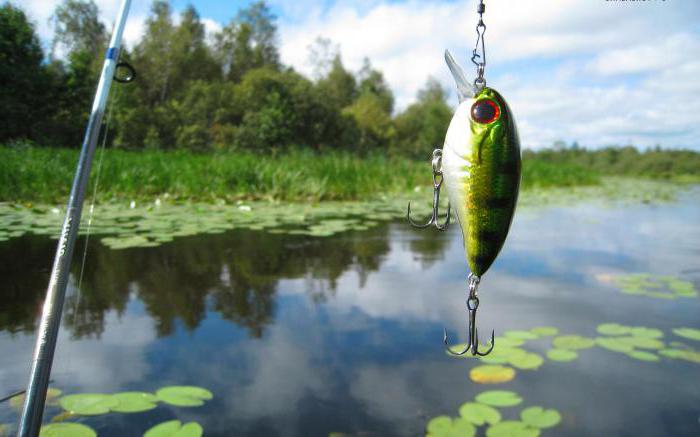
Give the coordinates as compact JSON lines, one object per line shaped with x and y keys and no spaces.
{"x":480,"y":164}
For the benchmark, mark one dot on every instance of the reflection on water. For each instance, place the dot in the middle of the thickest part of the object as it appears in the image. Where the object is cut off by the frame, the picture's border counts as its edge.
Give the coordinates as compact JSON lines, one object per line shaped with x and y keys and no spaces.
{"x":306,"y":336}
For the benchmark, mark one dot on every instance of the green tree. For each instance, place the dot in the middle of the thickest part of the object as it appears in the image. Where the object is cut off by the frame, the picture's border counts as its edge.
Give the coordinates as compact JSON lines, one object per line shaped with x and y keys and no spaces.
{"x":372,"y":82}
{"x":24,"y":80}
{"x":339,"y":86}
{"x":249,"y":41}
{"x":77,"y":28}
{"x":422,"y":126}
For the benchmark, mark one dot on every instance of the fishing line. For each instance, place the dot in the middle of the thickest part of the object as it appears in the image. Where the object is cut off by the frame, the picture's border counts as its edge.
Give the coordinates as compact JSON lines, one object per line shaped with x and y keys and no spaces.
{"x":91,"y":211}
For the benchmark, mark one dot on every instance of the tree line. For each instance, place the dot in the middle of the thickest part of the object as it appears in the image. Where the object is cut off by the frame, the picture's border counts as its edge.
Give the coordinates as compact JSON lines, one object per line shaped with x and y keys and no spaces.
{"x":200,"y":92}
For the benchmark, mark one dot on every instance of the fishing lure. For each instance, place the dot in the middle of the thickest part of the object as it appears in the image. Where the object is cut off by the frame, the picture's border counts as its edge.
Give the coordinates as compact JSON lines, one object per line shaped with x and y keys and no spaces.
{"x":480,"y":164}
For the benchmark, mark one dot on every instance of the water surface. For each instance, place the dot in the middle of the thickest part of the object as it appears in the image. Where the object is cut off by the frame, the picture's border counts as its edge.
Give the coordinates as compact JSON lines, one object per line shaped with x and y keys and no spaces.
{"x":303,"y":336}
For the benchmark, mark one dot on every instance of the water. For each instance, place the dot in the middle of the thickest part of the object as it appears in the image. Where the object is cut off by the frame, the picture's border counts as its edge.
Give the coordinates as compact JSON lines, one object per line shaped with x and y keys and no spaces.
{"x":301,"y":336}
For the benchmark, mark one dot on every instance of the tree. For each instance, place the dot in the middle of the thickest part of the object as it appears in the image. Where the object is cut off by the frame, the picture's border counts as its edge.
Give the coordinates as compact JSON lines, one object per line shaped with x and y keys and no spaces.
{"x":77,"y":28}
{"x":372,"y":82}
{"x":249,"y":41}
{"x":22,"y":75}
{"x":339,"y":86}
{"x":422,"y":126}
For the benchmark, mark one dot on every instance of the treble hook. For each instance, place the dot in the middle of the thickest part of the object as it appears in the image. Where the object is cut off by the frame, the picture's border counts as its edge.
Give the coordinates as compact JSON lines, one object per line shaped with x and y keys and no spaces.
{"x":473,"y":340}
{"x":437,"y":184}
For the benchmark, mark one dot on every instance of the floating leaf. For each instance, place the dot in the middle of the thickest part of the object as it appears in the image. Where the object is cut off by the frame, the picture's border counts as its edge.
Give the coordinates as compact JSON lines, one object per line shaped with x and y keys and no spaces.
{"x":538,"y":417}
{"x":175,"y":428}
{"x":66,"y":430}
{"x":528,"y":361}
{"x":444,"y":426}
{"x":51,"y":395}
{"x":682,"y":354}
{"x":643,"y":355}
{"x":134,"y":402}
{"x":479,"y":414}
{"x":642,"y":342}
{"x":88,"y":404}
{"x":508,"y":342}
{"x":641,"y":331}
{"x":613,"y":329}
{"x":520,"y":335}
{"x":561,"y":355}
{"x":545,"y":331}
{"x":689,"y":333}
{"x":499,"y":398}
{"x":511,"y":428}
{"x":614,"y":344}
{"x":572,"y":342}
{"x":184,"y":395}
{"x":491,"y":374}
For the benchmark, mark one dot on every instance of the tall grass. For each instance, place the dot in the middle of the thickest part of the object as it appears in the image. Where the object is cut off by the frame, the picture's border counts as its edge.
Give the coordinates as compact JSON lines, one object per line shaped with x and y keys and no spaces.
{"x":37,"y":174}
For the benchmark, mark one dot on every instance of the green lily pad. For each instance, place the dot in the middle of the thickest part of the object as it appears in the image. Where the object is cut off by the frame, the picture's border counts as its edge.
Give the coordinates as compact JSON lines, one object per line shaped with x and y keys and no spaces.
{"x":175,"y":428}
{"x":511,"y":428}
{"x":572,"y":342}
{"x":682,"y":354}
{"x":689,"y":333}
{"x":479,"y":414}
{"x":66,"y":430}
{"x":642,"y":342}
{"x":444,"y":426}
{"x":528,"y":361}
{"x":184,"y":395}
{"x":51,"y":395}
{"x":613,"y":329}
{"x":562,"y":355}
{"x":134,"y":402}
{"x":643,"y":355}
{"x":641,"y":331}
{"x":520,"y":335}
{"x":614,"y":344}
{"x":545,"y":331}
{"x":88,"y":404}
{"x":508,"y":342}
{"x":538,"y":417}
{"x":491,"y":374}
{"x":499,"y":398}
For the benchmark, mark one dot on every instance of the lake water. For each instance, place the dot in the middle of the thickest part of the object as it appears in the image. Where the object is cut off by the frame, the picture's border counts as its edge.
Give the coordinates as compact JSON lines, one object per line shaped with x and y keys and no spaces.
{"x":302,"y":336}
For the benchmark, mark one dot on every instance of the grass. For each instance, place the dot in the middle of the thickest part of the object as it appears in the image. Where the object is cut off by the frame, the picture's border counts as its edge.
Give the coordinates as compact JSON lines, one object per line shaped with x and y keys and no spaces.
{"x":44,"y":175}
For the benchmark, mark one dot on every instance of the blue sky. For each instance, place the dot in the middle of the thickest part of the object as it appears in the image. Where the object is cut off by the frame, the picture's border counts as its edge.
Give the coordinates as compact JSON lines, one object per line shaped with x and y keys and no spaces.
{"x":594,"y":71}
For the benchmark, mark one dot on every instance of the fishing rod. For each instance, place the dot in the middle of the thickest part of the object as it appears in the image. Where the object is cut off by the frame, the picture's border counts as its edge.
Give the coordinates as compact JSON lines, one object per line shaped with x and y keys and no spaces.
{"x":33,"y":409}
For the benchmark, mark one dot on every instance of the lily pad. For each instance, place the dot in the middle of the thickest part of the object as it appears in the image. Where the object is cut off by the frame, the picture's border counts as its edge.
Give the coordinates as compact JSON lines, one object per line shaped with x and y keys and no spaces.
{"x":520,"y":335}
{"x":499,"y":398}
{"x":528,"y":361}
{"x":479,"y":414}
{"x":66,"y":430}
{"x":134,"y":402}
{"x":538,"y":417}
{"x":444,"y":426}
{"x":184,"y":395}
{"x":641,"y":331}
{"x":562,"y":355}
{"x":508,"y":342}
{"x":689,"y":333}
{"x":642,"y":342}
{"x":643,"y":355}
{"x":51,"y":395}
{"x":175,"y":428}
{"x":614,"y":344}
{"x":512,"y":428}
{"x":682,"y":354}
{"x":572,"y":342}
{"x":491,"y":374}
{"x":88,"y":404}
{"x":613,"y":329}
{"x":545,"y":331}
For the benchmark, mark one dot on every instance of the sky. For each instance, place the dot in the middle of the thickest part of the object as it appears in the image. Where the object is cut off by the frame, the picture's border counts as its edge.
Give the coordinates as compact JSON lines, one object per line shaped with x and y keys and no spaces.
{"x":599,"y":72}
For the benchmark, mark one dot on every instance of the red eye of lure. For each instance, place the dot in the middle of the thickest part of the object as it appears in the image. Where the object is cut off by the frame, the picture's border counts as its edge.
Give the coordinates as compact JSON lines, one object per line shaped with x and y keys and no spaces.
{"x":485,"y":111}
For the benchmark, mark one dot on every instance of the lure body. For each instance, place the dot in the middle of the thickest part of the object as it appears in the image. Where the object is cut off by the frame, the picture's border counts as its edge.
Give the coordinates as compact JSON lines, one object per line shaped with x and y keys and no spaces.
{"x":481,"y":169}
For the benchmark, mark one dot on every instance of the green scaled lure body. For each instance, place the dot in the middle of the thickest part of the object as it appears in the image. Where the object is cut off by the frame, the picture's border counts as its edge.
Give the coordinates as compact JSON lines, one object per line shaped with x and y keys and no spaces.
{"x":481,"y":169}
